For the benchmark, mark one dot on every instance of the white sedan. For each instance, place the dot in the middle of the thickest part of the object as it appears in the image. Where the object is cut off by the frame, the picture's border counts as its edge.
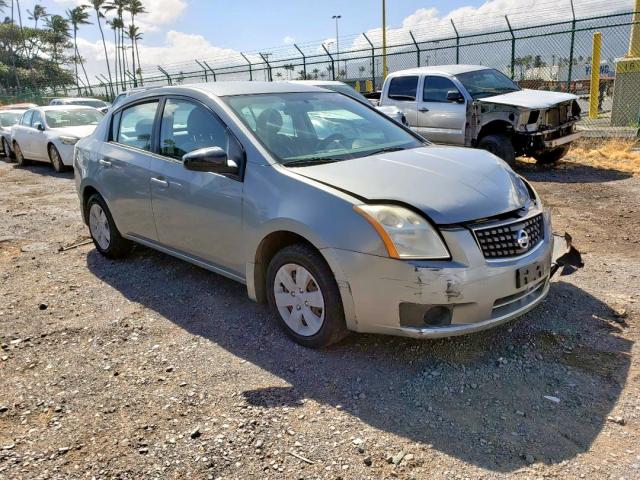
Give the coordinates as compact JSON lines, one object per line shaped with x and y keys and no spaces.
{"x":48,"y":134}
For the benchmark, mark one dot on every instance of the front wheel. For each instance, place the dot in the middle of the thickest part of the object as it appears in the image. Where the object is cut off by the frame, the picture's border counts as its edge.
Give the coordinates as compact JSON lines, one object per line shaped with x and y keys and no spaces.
{"x":104,"y":233}
{"x":19,"y":156}
{"x":304,"y":296}
{"x":552,"y":156}
{"x":500,"y":145}
{"x":56,"y":159}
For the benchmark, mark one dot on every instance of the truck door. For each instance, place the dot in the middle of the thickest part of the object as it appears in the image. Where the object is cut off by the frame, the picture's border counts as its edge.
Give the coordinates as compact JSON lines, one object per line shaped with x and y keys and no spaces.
{"x":402,"y":93}
{"x":442,"y":111}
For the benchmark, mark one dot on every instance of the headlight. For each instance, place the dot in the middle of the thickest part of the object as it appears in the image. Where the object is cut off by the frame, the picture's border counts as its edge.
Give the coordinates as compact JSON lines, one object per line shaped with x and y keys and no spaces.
{"x":405,"y":234}
{"x":69,"y":140}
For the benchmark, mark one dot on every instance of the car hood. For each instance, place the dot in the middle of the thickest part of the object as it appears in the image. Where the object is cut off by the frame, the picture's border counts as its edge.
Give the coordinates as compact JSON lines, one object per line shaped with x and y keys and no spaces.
{"x":79,"y":131}
{"x":530,"y":98}
{"x":449,"y":184}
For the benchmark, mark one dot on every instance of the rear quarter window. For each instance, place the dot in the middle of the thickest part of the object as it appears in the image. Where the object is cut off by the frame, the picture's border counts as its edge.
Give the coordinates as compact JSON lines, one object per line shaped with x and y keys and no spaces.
{"x":403,"y":88}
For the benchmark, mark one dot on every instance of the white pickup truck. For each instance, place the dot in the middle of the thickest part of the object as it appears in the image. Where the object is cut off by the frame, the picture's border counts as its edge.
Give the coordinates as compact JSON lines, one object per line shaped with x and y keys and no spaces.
{"x":476,"y":106}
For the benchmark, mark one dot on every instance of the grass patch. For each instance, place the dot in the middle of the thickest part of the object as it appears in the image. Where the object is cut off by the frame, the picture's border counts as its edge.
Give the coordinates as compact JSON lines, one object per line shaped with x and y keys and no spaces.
{"x":616,"y":154}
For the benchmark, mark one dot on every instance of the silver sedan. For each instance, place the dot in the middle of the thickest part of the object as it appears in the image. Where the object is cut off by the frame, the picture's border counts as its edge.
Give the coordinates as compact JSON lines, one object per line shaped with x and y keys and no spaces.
{"x":338,"y":217}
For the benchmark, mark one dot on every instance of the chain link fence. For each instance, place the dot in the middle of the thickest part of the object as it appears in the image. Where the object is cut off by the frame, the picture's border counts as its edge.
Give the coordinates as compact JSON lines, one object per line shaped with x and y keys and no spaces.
{"x":554,"y":56}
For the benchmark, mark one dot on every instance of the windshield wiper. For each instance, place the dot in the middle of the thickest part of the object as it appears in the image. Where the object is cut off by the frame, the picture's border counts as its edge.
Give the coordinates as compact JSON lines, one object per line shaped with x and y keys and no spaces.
{"x":387,"y":150}
{"x":303,"y":162}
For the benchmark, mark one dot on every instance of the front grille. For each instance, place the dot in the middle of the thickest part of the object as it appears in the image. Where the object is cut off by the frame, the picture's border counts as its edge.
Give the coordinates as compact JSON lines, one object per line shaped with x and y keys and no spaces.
{"x":502,"y":241}
{"x":558,"y":115}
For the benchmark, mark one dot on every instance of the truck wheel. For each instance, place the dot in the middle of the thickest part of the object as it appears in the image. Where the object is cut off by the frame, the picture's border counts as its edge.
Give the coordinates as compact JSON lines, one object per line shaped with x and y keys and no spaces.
{"x":500,"y":145}
{"x":304,"y":296}
{"x":552,"y":156}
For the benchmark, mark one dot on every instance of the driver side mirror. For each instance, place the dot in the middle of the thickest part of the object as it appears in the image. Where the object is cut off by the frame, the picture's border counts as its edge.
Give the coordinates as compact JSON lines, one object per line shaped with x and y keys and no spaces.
{"x":210,"y":159}
{"x":39,"y":126}
{"x":455,"y":96}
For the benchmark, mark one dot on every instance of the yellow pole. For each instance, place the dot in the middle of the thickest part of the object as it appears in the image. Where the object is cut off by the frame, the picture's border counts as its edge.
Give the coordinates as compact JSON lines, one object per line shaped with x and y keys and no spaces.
{"x":634,"y":42}
{"x":384,"y":41}
{"x":594,"y":92}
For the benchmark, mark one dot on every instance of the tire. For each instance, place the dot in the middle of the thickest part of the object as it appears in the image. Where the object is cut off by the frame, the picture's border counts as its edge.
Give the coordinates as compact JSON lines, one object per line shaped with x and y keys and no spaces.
{"x":320,"y":321}
{"x":56,"y":159}
{"x":19,"y":156}
{"x":104,"y":232}
{"x":6,"y":149}
{"x":500,"y":145}
{"x":552,"y":156}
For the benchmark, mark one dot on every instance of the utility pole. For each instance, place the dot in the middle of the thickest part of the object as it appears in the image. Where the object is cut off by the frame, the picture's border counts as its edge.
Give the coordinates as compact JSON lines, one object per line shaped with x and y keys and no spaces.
{"x":336,"y":18}
{"x":385,"y":70}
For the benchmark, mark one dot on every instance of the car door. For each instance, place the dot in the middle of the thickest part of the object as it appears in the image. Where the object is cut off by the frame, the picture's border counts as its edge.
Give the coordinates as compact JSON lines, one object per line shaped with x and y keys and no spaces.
{"x":441,"y":119}
{"x":402,"y":93}
{"x":123,"y":169}
{"x":21,"y":134}
{"x":38,"y":138}
{"x":198,"y":214}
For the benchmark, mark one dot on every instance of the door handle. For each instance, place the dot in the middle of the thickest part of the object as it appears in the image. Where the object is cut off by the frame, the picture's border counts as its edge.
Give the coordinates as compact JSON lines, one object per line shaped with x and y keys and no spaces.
{"x":423,"y":109}
{"x":160,"y":181}
{"x":104,"y":162}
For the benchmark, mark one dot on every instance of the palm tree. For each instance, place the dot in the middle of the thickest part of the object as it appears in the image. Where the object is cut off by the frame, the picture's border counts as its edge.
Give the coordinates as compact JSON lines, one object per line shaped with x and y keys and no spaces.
{"x":315,"y":73}
{"x":98,"y":5}
{"x":133,"y":35}
{"x":38,"y":12}
{"x":78,"y":16}
{"x":134,"y":7}
{"x":59,"y":27}
{"x":118,"y":24}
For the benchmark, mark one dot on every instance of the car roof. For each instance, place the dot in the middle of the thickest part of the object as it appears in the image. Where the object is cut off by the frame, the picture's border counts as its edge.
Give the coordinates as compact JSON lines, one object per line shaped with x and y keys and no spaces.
{"x":14,"y":110}
{"x":49,"y":108}
{"x":318,"y":82}
{"x":223,"y":89}
{"x":440,"y":69}
{"x":75,"y":99}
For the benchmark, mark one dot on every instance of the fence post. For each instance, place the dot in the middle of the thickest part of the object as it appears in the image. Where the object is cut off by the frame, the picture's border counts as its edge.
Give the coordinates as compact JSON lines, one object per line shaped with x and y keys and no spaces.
{"x":250,"y":66}
{"x":457,"y":42}
{"x":270,"y":76}
{"x":304,"y":61}
{"x":162,"y":70}
{"x":333,"y":65}
{"x":573,"y":39}
{"x":373,"y":61}
{"x":215,"y":79}
{"x":417,"y":46}
{"x":513,"y":49}
{"x":206,"y":77}
{"x":594,"y":87}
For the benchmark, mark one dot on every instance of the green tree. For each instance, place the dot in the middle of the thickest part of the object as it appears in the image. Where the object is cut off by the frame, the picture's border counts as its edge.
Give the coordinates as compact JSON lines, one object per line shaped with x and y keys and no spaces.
{"x":134,"y":7}
{"x":119,"y":6}
{"x":38,"y":13}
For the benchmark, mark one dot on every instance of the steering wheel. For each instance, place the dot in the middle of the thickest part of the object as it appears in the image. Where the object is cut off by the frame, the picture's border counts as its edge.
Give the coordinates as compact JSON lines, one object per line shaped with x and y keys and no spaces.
{"x":333,"y":138}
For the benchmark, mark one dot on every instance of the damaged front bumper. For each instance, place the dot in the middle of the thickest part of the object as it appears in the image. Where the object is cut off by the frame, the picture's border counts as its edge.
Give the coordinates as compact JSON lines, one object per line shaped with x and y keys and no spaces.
{"x":432,"y":299}
{"x":532,"y":143}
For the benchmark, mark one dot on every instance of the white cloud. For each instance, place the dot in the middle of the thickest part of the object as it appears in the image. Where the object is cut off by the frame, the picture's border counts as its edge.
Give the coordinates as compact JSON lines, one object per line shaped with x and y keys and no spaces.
{"x":288,"y":40}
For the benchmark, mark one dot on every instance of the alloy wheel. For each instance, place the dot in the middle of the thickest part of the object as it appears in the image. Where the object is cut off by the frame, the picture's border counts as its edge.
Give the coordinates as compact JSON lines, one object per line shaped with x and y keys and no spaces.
{"x":99,"y":226}
{"x":299,"y":299}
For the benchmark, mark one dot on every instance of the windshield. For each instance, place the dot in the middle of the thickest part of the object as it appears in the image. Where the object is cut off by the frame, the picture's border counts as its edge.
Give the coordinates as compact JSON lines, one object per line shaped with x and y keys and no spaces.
{"x":72,"y":118}
{"x":89,"y":103}
{"x":318,"y":127}
{"x":347,"y":90}
{"x":9,"y":118}
{"x":486,"y":83}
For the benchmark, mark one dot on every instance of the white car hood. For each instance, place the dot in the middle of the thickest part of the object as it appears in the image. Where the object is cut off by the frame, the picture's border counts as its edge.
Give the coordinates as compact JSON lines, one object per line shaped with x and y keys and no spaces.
{"x":78,"y":132}
{"x":530,"y":98}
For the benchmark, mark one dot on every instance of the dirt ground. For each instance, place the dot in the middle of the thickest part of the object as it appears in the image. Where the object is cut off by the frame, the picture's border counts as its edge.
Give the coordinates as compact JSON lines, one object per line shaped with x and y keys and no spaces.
{"x":152,"y":368}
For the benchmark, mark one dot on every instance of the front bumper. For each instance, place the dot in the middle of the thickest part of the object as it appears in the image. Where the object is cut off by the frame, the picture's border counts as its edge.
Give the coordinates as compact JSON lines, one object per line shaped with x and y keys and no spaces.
{"x":532,"y":143}
{"x":480,"y":293}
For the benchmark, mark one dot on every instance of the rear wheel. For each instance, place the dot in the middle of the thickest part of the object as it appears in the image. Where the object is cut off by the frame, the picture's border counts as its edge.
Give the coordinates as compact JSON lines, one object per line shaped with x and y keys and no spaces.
{"x":6,"y":149}
{"x":552,"y":156}
{"x":19,"y":156}
{"x":500,"y":145}
{"x":304,"y":295}
{"x":104,"y":233}
{"x":56,"y":160}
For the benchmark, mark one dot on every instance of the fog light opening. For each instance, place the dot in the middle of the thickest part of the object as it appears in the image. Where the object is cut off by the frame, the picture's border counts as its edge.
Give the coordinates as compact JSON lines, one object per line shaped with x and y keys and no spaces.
{"x":437,"y":316}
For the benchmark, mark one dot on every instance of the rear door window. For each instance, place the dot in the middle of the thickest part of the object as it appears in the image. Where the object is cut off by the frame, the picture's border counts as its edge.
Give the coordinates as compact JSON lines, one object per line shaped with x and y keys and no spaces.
{"x":136,"y":125}
{"x":403,"y":88}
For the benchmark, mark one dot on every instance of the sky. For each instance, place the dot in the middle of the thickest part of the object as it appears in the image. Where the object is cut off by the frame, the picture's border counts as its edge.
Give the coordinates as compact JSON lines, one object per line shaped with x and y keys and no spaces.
{"x":181,"y":30}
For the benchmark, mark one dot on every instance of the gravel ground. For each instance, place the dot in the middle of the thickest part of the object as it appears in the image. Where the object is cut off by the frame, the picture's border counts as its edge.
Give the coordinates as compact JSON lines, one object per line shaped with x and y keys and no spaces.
{"x":152,"y":368}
